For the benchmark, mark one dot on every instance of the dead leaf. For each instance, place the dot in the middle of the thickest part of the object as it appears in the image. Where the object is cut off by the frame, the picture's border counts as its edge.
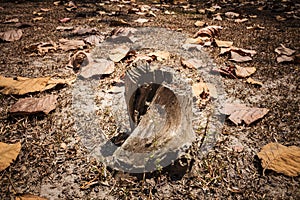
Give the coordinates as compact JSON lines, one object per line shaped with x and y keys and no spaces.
{"x":240,"y":112}
{"x":200,"y":23}
{"x":119,"y":53}
{"x":22,"y":85}
{"x":284,"y":58}
{"x":97,"y":67}
{"x":254,"y":82}
{"x":243,"y":52}
{"x":94,"y":39}
{"x":239,"y":58}
{"x":279,"y":18}
{"x":160,"y":55}
{"x":67,"y":45}
{"x":221,"y":43}
{"x":232,"y":15}
{"x":284,"y":50}
{"x":34,"y":105}
{"x":64,"y":20}
{"x":10,"y":21}
{"x":241,"y":20}
{"x":199,"y":88}
{"x":83,"y":31}
{"x":255,"y":27}
{"x":30,"y":197}
{"x":209,"y":31}
{"x":141,"y":20}
{"x":42,"y":48}
{"x":37,"y":19}
{"x":11,"y":35}
{"x":191,"y":63}
{"x":8,"y":153}
{"x":243,"y":72}
{"x":64,"y":28}
{"x":197,"y":40}
{"x":217,"y":17}
{"x":281,"y":159}
{"x":45,"y":9}
{"x":77,"y":60}
{"x":56,"y":3}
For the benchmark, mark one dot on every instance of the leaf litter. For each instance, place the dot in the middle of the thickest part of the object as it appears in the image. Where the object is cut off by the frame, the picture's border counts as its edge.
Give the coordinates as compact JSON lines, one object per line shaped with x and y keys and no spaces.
{"x":8,"y":153}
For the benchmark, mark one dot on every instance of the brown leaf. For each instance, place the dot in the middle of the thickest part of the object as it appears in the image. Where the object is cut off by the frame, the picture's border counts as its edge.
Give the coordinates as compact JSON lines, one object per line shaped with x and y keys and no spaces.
{"x":200,"y":23}
{"x":67,"y":45}
{"x":241,"y":51}
{"x":221,"y":43}
{"x":22,"y":85}
{"x":11,"y":35}
{"x":8,"y":153}
{"x":37,"y":19}
{"x":243,"y":72}
{"x":279,"y":18}
{"x":141,"y":20}
{"x":197,"y":40}
{"x":239,"y":58}
{"x":97,"y":67}
{"x":209,"y":31}
{"x":64,"y":20}
{"x":284,"y":58}
{"x":30,"y":197}
{"x":34,"y":105}
{"x":10,"y":21}
{"x":64,"y":28}
{"x":232,"y":15}
{"x":83,"y":31}
{"x":199,"y":88}
{"x":240,"y":112}
{"x":119,"y":53}
{"x":191,"y":63}
{"x":94,"y":39}
{"x":160,"y":55}
{"x":284,"y":50}
{"x":241,"y":20}
{"x":281,"y":159}
{"x":254,"y":82}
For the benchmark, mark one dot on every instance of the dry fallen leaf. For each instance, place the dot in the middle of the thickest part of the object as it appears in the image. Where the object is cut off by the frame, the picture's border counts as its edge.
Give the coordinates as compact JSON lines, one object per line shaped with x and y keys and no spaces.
{"x":42,"y":48}
{"x":22,"y":85}
{"x":241,"y":20}
{"x":37,"y":19}
{"x":284,"y":58}
{"x":141,"y":20}
{"x":234,"y":56}
{"x":119,"y":53}
{"x":160,"y":55}
{"x":10,"y":21}
{"x":284,"y":50}
{"x":94,"y":39}
{"x":197,"y":40}
{"x":8,"y":153}
{"x":209,"y":31}
{"x":67,"y":45}
{"x":82,"y":31}
{"x":11,"y":35}
{"x":34,"y":105}
{"x":243,"y":72}
{"x":240,"y":112}
{"x":221,"y":43}
{"x":97,"y":67}
{"x":64,"y":28}
{"x":191,"y":63}
{"x":30,"y":197}
{"x":64,"y":20}
{"x":200,"y":23}
{"x":254,"y":82}
{"x":217,"y":17}
{"x":281,"y":159}
{"x":199,"y":88}
{"x":232,"y":15}
{"x":279,"y":18}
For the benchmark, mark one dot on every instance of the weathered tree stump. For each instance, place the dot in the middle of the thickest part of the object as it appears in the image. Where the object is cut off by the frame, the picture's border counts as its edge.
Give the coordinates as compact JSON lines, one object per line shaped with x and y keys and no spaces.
{"x":160,"y":107}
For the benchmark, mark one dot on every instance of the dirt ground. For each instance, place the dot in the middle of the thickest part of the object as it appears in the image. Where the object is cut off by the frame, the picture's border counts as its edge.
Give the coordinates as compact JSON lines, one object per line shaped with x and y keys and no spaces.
{"x":54,"y":164}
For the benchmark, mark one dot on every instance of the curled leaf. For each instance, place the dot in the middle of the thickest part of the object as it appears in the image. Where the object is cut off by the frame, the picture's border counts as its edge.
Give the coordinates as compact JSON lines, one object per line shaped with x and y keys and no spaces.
{"x":209,"y":31}
{"x":284,"y":50}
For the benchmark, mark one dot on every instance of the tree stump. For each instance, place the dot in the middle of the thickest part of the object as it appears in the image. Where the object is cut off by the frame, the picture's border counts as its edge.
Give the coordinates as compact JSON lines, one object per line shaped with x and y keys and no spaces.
{"x":160,"y":107}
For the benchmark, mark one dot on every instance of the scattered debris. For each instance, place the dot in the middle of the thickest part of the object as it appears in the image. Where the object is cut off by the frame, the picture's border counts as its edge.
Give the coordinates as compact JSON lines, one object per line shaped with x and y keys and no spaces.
{"x":209,"y":31}
{"x":67,"y":45}
{"x":254,"y":82}
{"x":160,"y":55}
